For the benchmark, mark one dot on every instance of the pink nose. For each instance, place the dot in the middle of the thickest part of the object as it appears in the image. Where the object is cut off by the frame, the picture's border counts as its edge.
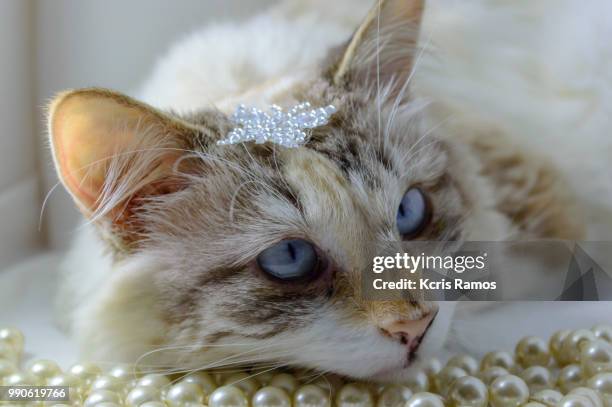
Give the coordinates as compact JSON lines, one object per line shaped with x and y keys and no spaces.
{"x":409,"y":332}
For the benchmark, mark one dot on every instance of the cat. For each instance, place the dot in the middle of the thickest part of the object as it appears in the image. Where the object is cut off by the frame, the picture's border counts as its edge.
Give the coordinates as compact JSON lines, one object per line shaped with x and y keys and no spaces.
{"x":178,"y":264}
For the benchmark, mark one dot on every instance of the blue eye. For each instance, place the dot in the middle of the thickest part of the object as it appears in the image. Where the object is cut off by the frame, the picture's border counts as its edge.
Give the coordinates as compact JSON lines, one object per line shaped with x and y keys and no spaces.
{"x":290,"y":260}
{"x":413,"y":213}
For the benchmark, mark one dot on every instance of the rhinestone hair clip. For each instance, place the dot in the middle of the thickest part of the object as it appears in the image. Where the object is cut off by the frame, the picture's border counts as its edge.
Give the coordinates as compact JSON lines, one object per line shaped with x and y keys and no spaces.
{"x":285,"y":128}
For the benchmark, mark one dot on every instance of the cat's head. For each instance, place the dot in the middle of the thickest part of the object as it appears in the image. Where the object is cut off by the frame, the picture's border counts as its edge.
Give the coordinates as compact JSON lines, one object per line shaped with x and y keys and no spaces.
{"x":257,"y":251}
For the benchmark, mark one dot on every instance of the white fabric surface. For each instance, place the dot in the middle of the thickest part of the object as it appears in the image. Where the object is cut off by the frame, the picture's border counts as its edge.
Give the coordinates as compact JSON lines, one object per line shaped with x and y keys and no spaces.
{"x":27,"y":298}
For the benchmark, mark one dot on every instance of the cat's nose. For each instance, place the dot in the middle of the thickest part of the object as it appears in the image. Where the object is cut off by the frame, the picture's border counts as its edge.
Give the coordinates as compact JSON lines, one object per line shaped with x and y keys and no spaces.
{"x":409,"y":332}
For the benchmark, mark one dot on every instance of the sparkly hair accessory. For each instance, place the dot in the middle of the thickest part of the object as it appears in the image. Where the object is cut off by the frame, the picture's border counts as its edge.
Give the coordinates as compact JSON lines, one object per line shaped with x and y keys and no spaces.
{"x":287,"y":129}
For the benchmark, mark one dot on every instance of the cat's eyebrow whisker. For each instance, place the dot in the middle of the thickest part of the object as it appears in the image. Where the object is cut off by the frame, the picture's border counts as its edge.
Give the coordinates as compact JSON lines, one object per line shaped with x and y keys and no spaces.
{"x":410,"y":153}
{"x":404,"y":88}
{"x":235,"y":165}
{"x":235,"y":195}
{"x":261,"y":183}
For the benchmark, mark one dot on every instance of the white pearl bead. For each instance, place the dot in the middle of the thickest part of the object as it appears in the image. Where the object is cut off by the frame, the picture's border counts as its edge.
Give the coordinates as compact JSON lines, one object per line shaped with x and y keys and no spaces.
{"x":596,"y":357}
{"x":534,"y":404}
{"x":108,"y":404}
{"x":424,"y":399}
{"x":537,"y":378}
{"x":492,"y":373}
{"x":124,"y":372}
{"x":311,"y":395}
{"x":100,"y":396}
{"x":13,"y":337}
{"x":228,"y":396}
{"x":7,"y":368}
{"x":329,"y":383}
{"x":263,"y":376}
{"x":129,"y":385}
{"x":591,"y":394}
{"x":285,"y":381}
{"x":141,"y":394}
{"x":571,"y":344}
{"x":22,"y":379}
{"x":85,"y":371}
{"x":575,"y":400}
{"x":469,"y":391}
{"x":532,"y":351}
{"x":155,"y":380}
{"x":602,"y":383}
{"x":432,"y":367}
{"x":418,"y":380}
{"x":153,"y":404}
{"x":75,"y":385}
{"x":107,"y":383}
{"x":447,"y":376}
{"x":203,"y":379}
{"x":394,"y":396}
{"x":43,"y":369}
{"x":570,"y":377}
{"x":354,"y":395}
{"x":271,"y":397}
{"x":497,"y":358}
{"x":549,"y":397}
{"x":184,"y":393}
{"x":8,"y":353}
{"x":555,"y":343}
{"x":65,"y":379}
{"x":508,"y":391}
{"x":465,"y":362}
{"x":603,"y":332}
{"x":244,"y":382}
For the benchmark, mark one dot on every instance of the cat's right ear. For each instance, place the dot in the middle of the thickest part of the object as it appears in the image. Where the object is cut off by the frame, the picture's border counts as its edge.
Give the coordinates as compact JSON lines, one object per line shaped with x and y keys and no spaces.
{"x":111,"y":151}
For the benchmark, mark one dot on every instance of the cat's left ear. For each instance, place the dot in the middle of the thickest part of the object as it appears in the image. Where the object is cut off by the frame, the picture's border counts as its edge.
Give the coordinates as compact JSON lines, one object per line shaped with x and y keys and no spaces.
{"x":382,"y":49}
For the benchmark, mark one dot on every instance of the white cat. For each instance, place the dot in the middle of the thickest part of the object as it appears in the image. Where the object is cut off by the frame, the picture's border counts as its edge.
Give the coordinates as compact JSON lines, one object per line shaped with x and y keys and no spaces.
{"x":176,"y":263}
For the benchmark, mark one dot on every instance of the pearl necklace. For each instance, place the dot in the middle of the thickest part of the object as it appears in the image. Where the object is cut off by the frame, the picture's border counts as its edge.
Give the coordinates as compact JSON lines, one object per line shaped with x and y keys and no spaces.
{"x":572,"y":369}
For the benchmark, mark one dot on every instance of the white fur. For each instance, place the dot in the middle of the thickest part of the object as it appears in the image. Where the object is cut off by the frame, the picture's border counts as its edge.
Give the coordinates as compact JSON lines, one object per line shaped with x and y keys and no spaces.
{"x":540,"y":70}
{"x":226,"y":60}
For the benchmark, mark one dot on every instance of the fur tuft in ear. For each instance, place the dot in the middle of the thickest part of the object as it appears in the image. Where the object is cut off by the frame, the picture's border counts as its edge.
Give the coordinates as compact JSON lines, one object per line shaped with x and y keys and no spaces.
{"x":382,"y":49}
{"x":110,"y":150}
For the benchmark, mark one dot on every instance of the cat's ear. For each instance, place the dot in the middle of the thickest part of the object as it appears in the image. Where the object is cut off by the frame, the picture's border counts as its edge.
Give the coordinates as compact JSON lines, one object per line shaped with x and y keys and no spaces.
{"x":382,"y":50}
{"x":110,"y":150}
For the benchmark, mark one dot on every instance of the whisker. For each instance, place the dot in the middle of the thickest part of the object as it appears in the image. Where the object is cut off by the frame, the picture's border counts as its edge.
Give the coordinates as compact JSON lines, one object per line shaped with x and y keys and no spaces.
{"x":408,"y":155}
{"x":44,"y":204}
{"x":380,"y":141}
{"x":404,"y":88}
